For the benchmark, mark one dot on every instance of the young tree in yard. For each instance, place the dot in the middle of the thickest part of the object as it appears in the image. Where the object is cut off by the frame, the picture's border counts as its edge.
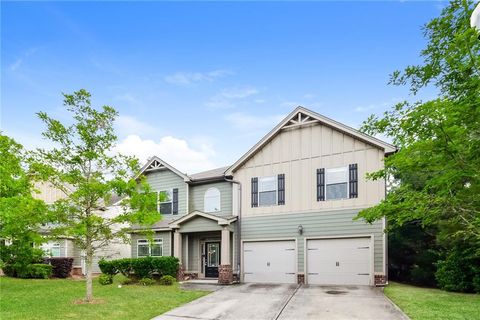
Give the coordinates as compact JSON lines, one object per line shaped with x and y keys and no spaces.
{"x":83,"y":166}
{"x":437,"y":165}
{"x":21,"y":216}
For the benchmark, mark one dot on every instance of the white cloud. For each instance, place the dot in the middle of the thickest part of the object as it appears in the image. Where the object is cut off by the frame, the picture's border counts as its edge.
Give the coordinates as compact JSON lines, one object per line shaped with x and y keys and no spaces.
{"x":253,"y":123}
{"x":224,"y":99}
{"x":187,"y":78}
{"x":20,"y":60}
{"x":177,"y":152}
{"x":126,"y":125}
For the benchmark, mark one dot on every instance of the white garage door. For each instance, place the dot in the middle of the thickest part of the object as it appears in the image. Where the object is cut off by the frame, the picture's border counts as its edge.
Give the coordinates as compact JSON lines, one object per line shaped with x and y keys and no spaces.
{"x":343,"y":261}
{"x":269,"y":261}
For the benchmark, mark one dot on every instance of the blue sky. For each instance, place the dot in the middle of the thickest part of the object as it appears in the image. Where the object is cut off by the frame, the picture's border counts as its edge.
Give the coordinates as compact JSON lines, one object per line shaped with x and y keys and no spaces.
{"x":199,"y":83}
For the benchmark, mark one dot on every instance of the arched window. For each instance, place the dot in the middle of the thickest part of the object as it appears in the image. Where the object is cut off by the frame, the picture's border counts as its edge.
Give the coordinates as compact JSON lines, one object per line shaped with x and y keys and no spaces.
{"x":211,"y":200}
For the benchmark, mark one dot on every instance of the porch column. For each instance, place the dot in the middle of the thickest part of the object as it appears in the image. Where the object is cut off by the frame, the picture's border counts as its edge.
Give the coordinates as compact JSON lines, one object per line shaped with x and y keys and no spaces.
{"x":177,"y":253}
{"x":225,"y":272}
{"x":177,"y":245}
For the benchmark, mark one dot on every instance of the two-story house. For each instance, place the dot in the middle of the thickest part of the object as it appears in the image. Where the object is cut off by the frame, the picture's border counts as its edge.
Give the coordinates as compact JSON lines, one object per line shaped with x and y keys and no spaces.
{"x":283,"y":213}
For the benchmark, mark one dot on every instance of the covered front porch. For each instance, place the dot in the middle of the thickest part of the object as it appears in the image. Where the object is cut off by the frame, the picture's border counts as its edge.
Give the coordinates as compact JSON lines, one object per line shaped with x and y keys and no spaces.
{"x":205,"y":245}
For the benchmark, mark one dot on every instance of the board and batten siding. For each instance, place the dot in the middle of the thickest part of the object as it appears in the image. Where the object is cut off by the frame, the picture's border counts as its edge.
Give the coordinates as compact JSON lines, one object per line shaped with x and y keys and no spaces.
{"x":164,"y":235}
{"x":298,"y":153}
{"x":197,"y":195}
{"x":165,"y":179}
{"x":315,"y":224}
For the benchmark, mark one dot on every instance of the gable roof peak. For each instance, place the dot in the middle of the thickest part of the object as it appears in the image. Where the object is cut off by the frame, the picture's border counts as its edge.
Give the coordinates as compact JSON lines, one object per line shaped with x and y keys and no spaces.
{"x":302,"y":116}
{"x":155,"y":163}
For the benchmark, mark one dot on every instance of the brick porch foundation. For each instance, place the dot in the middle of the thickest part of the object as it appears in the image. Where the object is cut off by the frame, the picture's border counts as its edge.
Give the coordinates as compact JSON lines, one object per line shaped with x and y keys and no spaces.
{"x":225,"y":274}
{"x":180,"y":273}
{"x":380,"y":280}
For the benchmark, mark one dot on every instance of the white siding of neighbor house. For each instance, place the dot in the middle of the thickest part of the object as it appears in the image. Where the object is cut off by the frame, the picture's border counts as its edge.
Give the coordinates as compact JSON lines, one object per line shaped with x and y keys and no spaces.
{"x":298,"y":153}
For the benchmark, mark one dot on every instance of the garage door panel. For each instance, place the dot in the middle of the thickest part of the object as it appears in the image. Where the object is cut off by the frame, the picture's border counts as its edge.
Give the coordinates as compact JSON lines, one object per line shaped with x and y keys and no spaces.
{"x":339,"y":261}
{"x":270,"y":261}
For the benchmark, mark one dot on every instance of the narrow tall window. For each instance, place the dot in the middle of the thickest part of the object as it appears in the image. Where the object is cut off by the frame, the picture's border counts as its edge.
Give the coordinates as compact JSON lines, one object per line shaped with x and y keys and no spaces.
{"x":165,"y":201}
{"x":337,"y":183}
{"x":211,"y":200}
{"x":267,"y":191}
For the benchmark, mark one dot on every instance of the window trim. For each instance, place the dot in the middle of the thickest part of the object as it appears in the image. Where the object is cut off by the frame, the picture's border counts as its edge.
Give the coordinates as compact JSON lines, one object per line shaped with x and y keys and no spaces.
{"x":346,"y":168}
{"x":159,"y":203}
{"x":158,"y":241}
{"x":219,"y":200}
{"x":276,"y":191}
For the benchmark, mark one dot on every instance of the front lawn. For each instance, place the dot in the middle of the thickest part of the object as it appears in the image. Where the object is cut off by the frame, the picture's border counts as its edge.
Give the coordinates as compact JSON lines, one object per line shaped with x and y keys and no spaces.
{"x":423,"y":303}
{"x":54,"y":299}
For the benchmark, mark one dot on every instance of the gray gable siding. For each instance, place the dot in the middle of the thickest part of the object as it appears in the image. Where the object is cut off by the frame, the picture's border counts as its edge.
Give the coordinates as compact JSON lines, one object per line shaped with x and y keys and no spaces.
{"x":197,"y":193}
{"x":317,"y":224}
{"x":165,"y":179}
{"x":166,"y":240}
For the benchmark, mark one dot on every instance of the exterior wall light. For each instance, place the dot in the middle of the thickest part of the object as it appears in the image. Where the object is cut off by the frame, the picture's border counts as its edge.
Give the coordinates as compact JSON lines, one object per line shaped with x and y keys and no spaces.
{"x":300,"y":229}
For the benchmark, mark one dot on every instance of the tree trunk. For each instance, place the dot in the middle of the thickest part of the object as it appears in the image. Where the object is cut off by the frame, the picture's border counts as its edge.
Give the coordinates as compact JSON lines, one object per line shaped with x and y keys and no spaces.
{"x":88,"y":264}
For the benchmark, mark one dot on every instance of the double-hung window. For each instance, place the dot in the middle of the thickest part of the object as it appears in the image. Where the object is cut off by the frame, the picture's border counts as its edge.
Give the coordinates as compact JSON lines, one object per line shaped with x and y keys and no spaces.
{"x":267,"y":191}
{"x":212,"y":200}
{"x":336,"y":181}
{"x":52,"y":249}
{"x":165,"y":202}
{"x":146,"y":248}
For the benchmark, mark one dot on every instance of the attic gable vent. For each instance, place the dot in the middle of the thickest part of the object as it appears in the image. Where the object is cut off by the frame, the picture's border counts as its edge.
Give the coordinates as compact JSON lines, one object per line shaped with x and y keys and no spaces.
{"x":299,"y":119}
{"x":155,"y":165}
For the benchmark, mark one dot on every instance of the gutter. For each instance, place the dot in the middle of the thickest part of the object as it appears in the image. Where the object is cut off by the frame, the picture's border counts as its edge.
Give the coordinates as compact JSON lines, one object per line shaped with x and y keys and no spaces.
{"x":239,"y":223}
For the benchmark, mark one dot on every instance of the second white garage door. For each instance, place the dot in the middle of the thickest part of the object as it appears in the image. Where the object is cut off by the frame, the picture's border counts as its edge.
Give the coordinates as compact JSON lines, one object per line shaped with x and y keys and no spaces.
{"x":269,"y":261}
{"x":343,"y":261}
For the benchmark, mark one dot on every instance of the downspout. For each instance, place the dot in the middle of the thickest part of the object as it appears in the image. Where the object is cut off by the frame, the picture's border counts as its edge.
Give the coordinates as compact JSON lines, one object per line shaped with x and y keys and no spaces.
{"x":239,"y":227}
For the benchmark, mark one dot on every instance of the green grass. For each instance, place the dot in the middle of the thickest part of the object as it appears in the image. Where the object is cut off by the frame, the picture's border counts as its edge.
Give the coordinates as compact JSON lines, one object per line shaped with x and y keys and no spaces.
{"x":54,"y":299}
{"x":424,"y":303}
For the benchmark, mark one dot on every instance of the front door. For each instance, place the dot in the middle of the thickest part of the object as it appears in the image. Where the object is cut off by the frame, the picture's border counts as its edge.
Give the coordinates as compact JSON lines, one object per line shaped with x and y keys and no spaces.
{"x":212,"y":261}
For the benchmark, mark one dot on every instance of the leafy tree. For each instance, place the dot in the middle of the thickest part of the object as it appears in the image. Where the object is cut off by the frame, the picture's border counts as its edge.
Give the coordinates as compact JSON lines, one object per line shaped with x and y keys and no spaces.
{"x":83,"y":166}
{"x":437,"y":165}
{"x":21,"y":216}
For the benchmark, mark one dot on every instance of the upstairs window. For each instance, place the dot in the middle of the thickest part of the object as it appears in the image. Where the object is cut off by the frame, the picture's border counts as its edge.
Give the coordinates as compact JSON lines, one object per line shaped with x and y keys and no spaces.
{"x":165,"y":202}
{"x":267,"y":191}
{"x":211,"y":201}
{"x":147,"y":249}
{"x":336,"y":183}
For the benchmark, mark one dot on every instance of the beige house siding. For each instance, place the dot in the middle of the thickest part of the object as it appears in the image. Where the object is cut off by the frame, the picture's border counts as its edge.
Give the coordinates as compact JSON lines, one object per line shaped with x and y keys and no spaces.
{"x":298,"y":153}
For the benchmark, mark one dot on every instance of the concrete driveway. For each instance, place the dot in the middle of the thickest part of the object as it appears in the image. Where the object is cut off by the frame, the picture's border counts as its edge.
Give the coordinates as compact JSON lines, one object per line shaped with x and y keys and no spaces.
{"x":269,"y":301}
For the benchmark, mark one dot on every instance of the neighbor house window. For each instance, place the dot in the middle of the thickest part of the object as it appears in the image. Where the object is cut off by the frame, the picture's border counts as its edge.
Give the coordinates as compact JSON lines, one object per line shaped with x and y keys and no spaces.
{"x":336,"y":183}
{"x":152,"y":249}
{"x":211,"y":201}
{"x":267,"y":191}
{"x":165,"y":198}
{"x":52,"y":249}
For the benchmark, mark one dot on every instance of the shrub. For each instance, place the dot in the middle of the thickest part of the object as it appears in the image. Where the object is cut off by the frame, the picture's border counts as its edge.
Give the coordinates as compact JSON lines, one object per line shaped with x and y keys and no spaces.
{"x":105,"y":279}
{"x":146,"y":281}
{"x":140,"y":268}
{"x":37,"y":271}
{"x":62,"y":266}
{"x":124,"y":266}
{"x":460,"y":271}
{"x":143,"y":267}
{"x":18,"y":256}
{"x":166,"y":266}
{"x":107,"y":267}
{"x":167,"y":280}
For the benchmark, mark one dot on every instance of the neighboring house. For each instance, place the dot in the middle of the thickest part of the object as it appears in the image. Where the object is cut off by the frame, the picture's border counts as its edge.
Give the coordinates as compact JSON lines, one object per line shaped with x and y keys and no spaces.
{"x":66,"y":247}
{"x":282,"y":213}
